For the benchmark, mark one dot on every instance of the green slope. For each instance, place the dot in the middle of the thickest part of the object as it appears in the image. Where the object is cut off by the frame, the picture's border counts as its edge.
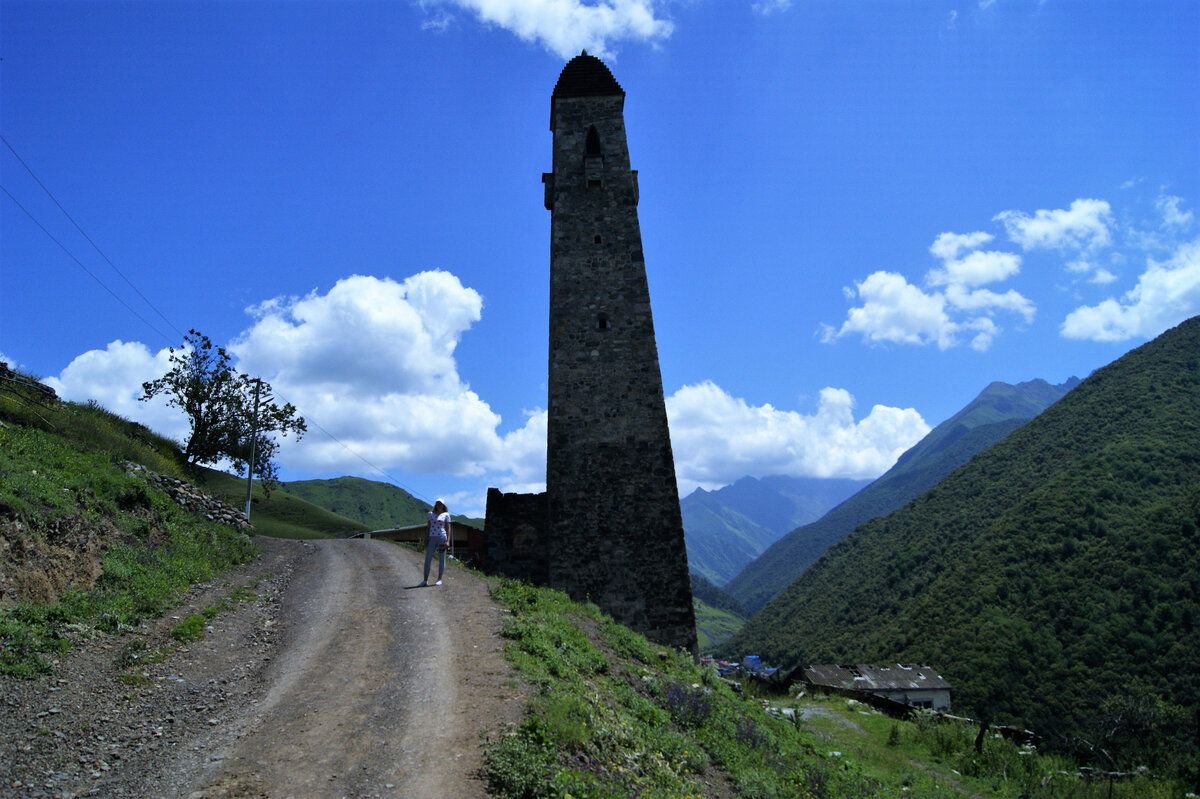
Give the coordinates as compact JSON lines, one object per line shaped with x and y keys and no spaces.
{"x":374,"y":504}
{"x":718,"y":615}
{"x":714,"y":626}
{"x":720,"y":540}
{"x":994,"y":414}
{"x":1056,"y":571}
{"x":282,"y":514}
{"x":726,"y":529}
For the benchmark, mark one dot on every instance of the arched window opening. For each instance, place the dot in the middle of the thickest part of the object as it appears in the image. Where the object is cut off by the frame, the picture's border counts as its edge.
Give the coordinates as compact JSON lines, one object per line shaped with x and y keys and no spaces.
{"x":602,"y":321}
{"x":593,"y":142}
{"x":596,"y":240}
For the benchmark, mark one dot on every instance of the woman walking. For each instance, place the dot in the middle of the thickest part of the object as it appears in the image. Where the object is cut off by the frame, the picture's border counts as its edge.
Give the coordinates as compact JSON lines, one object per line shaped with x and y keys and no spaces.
{"x":437,"y":537}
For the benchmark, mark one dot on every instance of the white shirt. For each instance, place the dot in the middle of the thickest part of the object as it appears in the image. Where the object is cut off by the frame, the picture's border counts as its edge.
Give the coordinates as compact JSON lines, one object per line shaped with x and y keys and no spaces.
{"x":439,"y":525}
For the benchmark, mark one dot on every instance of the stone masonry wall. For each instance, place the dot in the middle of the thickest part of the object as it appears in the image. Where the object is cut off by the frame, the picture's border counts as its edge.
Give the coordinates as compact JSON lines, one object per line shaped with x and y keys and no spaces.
{"x":611,"y":531}
{"x":613,"y":501}
{"x":515,"y":536}
{"x":190,"y":498}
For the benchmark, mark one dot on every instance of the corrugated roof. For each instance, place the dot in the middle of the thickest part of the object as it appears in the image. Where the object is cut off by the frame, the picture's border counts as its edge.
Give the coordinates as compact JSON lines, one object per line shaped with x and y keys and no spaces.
{"x":866,"y":677}
{"x":586,"y":76}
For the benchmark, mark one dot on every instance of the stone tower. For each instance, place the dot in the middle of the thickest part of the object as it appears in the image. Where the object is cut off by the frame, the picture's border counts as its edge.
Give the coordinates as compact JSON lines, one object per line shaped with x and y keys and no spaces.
{"x":613,"y":520}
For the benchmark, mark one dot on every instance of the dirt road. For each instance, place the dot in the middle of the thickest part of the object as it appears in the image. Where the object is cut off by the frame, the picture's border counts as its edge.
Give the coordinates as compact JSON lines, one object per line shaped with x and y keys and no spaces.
{"x":369,"y":687}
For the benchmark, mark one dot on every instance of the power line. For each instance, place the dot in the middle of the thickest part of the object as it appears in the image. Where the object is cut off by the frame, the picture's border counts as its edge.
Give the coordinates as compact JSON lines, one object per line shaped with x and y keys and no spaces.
{"x":146,"y":300}
{"x":83,"y":233}
{"x":83,"y":267}
{"x":346,"y":447}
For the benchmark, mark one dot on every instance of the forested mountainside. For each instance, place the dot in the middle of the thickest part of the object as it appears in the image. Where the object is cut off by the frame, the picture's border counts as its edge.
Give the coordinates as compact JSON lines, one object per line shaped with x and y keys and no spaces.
{"x":999,"y":409}
{"x":1056,"y":574}
{"x":727,"y":528}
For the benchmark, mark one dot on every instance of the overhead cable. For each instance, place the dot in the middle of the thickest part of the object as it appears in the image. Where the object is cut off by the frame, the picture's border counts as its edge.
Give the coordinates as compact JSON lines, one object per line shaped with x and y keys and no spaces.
{"x":83,"y":233}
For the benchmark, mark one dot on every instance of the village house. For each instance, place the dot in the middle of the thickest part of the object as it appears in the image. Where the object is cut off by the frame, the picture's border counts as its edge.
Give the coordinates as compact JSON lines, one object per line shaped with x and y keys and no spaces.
{"x":918,"y":686}
{"x":467,"y":542}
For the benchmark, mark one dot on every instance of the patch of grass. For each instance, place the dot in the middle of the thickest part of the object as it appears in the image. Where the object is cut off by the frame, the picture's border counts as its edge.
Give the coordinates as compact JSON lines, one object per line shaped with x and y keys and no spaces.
{"x":26,"y":643}
{"x":616,"y":715}
{"x":136,"y":653}
{"x":137,"y":679}
{"x":190,"y":629}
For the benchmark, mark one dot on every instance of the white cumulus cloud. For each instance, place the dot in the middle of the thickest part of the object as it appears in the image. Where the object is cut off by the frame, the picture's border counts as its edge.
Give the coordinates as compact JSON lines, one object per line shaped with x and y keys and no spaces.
{"x":718,"y":438}
{"x":372,"y":361}
{"x":1086,"y":225}
{"x":975,"y":269}
{"x":564,"y":27}
{"x":1173,"y":215}
{"x":1167,"y":293}
{"x":113,"y":377}
{"x":768,"y":7}
{"x":893,"y":310}
{"x":12,"y":363}
{"x":953,"y":309}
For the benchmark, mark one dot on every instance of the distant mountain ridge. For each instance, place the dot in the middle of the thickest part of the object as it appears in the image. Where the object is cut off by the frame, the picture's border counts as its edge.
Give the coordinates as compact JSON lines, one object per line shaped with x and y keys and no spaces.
{"x":726,"y":529}
{"x":999,"y":409}
{"x":1055,"y":574}
{"x":371,"y":503}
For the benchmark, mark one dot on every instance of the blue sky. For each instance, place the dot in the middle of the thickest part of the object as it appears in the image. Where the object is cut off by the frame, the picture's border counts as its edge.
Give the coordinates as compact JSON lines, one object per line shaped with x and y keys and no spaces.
{"x":855,"y":215}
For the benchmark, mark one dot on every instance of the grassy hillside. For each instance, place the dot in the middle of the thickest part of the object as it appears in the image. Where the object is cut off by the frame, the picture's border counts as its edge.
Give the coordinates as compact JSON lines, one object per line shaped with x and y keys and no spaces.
{"x":88,"y":547}
{"x":718,"y":615}
{"x":714,"y":626}
{"x":613,"y":715}
{"x":997,"y":411}
{"x":726,"y":529}
{"x":373,"y":504}
{"x":280,"y":515}
{"x":1055,"y":580}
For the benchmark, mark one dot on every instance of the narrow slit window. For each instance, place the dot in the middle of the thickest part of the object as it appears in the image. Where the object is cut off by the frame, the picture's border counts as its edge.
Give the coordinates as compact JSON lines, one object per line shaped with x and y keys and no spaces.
{"x":602,"y":322}
{"x":596,"y":240}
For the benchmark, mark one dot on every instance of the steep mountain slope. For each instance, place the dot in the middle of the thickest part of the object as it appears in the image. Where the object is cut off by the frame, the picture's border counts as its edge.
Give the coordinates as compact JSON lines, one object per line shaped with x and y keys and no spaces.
{"x":999,"y":409}
{"x":726,"y":529}
{"x":374,"y":504}
{"x":1058,"y":569}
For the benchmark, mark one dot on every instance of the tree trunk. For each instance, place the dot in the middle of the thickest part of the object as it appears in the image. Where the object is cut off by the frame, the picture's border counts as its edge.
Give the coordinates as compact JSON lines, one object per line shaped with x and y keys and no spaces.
{"x":983,"y":728}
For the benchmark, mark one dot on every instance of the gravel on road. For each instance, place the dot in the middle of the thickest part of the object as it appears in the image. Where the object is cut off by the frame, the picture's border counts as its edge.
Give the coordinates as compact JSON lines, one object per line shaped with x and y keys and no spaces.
{"x":326,"y":672}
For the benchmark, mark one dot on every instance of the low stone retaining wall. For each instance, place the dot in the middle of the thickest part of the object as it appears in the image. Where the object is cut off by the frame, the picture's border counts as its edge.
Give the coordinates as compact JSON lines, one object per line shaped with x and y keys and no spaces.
{"x":191,"y":498}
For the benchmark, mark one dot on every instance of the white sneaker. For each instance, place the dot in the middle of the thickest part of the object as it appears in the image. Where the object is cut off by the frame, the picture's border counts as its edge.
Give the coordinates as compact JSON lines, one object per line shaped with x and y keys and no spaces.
{"x":439,"y":582}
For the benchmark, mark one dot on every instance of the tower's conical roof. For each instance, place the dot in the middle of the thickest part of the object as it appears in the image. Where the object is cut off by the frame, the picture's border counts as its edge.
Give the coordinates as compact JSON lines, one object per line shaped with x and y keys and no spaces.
{"x":586,"y":76}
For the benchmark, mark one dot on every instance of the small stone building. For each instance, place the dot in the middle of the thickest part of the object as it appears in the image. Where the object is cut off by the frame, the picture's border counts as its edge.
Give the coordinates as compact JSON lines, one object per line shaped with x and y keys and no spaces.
{"x":918,"y":686}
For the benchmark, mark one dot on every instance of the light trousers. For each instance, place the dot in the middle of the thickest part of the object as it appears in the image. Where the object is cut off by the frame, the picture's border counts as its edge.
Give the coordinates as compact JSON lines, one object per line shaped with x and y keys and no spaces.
{"x":439,"y":544}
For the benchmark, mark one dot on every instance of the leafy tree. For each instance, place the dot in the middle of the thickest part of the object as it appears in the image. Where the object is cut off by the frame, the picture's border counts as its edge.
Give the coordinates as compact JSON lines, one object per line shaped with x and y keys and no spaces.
{"x":1141,"y":729}
{"x":228,"y":411}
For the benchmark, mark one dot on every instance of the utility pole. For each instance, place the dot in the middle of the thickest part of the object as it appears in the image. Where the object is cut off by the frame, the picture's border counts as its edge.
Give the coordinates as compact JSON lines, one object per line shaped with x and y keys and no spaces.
{"x":253,"y":442}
